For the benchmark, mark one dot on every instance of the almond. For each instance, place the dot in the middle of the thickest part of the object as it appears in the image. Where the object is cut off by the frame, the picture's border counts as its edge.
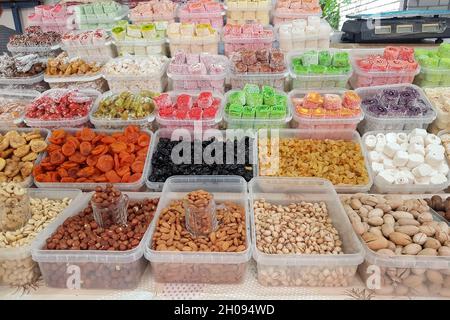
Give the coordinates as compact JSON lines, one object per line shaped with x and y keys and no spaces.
{"x":400,"y":238}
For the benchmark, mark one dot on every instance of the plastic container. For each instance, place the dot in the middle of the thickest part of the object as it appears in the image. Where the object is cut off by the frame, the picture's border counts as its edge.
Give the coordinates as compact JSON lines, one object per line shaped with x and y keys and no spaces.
{"x":201,"y":82}
{"x":133,"y":186}
{"x":226,"y":136}
{"x":320,"y":40}
{"x":94,"y":81}
{"x":283,"y":17}
{"x":399,"y":188}
{"x":236,"y":43}
{"x":92,"y":52}
{"x":45,"y":135}
{"x":195,"y":44}
{"x":42,"y":51}
{"x":17,"y":268}
{"x":392,"y":272}
{"x":96,"y":269}
{"x":442,"y":121}
{"x":191,"y":124}
{"x":141,"y":47}
{"x":429,"y":77}
{"x":305,"y":269}
{"x":93,"y":21}
{"x":275,"y":80}
{"x":213,"y":18}
{"x":255,"y":123}
{"x":23,"y":96}
{"x":446,"y":145}
{"x":371,"y":122}
{"x":23,"y":80}
{"x":346,"y":135}
{"x":317,"y":81}
{"x":362,"y":78}
{"x":155,"y":81}
{"x":103,"y":123}
{"x":200,"y":267}
{"x":323,"y":123}
{"x":64,"y":123}
{"x":239,"y":12}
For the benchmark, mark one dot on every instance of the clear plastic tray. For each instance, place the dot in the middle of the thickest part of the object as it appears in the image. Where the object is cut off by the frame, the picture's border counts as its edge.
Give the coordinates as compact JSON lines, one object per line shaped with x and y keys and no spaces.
{"x":399,"y":188}
{"x":281,"y":17}
{"x":317,"y":81}
{"x":32,"y":49}
{"x":226,"y":135}
{"x":141,"y":47}
{"x":362,"y":78}
{"x":440,"y":134}
{"x":442,"y":120}
{"x":305,"y":269}
{"x":371,"y":122}
{"x":23,"y":95}
{"x":398,"y":268}
{"x":346,"y":135}
{"x":275,"y":80}
{"x":93,"y":19}
{"x":255,"y":123}
{"x":200,"y":267}
{"x":133,"y":186}
{"x":92,"y":52}
{"x":429,"y":77}
{"x":97,"y":269}
{"x":23,"y":80}
{"x":205,"y":82}
{"x":17,"y":267}
{"x":324,"y":123}
{"x":191,"y":124}
{"x":95,"y":82}
{"x":233,"y":43}
{"x":104,"y":123}
{"x":214,"y":18}
{"x":155,"y":81}
{"x":45,"y":135}
{"x":195,"y":45}
{"x":254,"y":12}
{"x":64,"y":123}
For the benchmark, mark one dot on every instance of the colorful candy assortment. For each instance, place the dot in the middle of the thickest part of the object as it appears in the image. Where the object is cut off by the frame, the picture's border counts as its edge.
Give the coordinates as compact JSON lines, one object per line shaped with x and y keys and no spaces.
{"x":316,"y":105}
{"x":20,"y":66}
{"x":323,"y":69}
{"x":240,"y":12}
{"x":251,"y":36}
{"x":140,"y":40}
{"x":88,"y":44}
{"x":203,"y":106}
{"x":262,"y":67}
{"x":154,"y":10}
{"x":288,"y":10}
{"x":50,"y":17}
{"x":435,"y":65}
{"x":125,"y":106}
{"x":395,"y":65}
{"x":192,"y":71}
{"x":34,"y":40}
{"x":253,"y":103}
{"x":202,"y":11}
{"x":193,"y":38}
{"x":301,"y":34}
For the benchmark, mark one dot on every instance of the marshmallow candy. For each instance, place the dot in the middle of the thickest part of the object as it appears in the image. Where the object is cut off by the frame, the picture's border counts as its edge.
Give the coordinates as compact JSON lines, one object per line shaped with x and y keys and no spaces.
{"x":423,"y":170}
{"x":388,"y":163}
{"x":401,"y":180}
{"x":400,"y":159}
{"x":438,"y":179}
{"x":415,"y":160}
{"x":391,"y":148}
{"x":404,"y":146}
{"x":407,"y":174}
{"x":432,"y":139}
{"x":423,"y":180}
{"x":391,"y":137}
{"x":375,"y":156}
{"x":380,"y":146}
{"x":385,"y":177}
{"x":377,"y":167}
{"x":381,"y":138}
{"x":402,"y":138}
{"x":443,"y":169}
{"x":416,"y":148}
{"x":417,"y":140}
{"x":419,"y":132}
{"x":370,"y":141}
{"x":435,"y":148}
{"x":434,"y":159}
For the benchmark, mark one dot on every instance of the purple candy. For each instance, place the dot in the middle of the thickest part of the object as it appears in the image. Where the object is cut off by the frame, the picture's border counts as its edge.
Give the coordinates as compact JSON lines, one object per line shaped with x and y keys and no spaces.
{"x":389,"y":96}
{"x":413,"y":111}
{"x":396,"y":109}
{"x":378,"y":110}
{"x":370,"y":102}
{"x":406,"y":97}
{"x":413,"y":92}
{"x":423,"y":106}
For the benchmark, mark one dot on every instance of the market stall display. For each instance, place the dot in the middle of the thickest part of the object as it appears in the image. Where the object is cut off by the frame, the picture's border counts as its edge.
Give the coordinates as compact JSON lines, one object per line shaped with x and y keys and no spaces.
{"x":407,"y":161}
{"x":100,"y":14}
{"x":440,"y":100}
{"x":260,"y":67}
{"x":152,"y":11}
{"x":219,"y":256}
{"x":193,"y":38}
{"x":255,"y":108}
{"x":90,"y":45}
{"x":301,"y":34}
{"x":56,"y":18}
{"x":136,"y":73}
{"x":395,"y":107}
{"x":202,"y":11}
{"x":288,"y":10}
{"x":35,"y":40}
{"x":376,"y":67}
{"x":434,"y":66}
{"x":13,"y":104}
{"x":87,"y":158}
{"x":21,"y":69}
{"x":405,"y":240}
{"x":326,"y":109}
{"x":197,"y":72}
{"x":240,"y":12}
{"x":311,"y":69}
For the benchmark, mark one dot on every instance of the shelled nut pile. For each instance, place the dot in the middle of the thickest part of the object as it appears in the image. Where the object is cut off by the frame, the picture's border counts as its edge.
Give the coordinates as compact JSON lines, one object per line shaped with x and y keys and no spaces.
{"x":24,"y":271}
{"x":230,"y":236}
{"x":14,"y":206}
{"x":392,"y":226}
{"x":298,"y":228}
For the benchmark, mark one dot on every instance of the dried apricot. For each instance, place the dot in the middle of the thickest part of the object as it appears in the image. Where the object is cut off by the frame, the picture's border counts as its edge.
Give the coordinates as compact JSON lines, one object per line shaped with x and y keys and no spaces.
{"x":85,"y":148}
{"x":105,"y":163}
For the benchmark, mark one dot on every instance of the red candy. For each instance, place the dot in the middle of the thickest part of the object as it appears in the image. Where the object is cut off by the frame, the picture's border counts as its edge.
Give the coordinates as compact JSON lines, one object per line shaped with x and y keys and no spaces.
{"x":209,"y":113}
{"x":184,"y":101}
{"x":195,"y":113}
{"x":70,"y":105}
{"x":205,"y":106}
{"x":205,"y":99}
{"x":163,"y":100}
{"x":181,"y":114}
